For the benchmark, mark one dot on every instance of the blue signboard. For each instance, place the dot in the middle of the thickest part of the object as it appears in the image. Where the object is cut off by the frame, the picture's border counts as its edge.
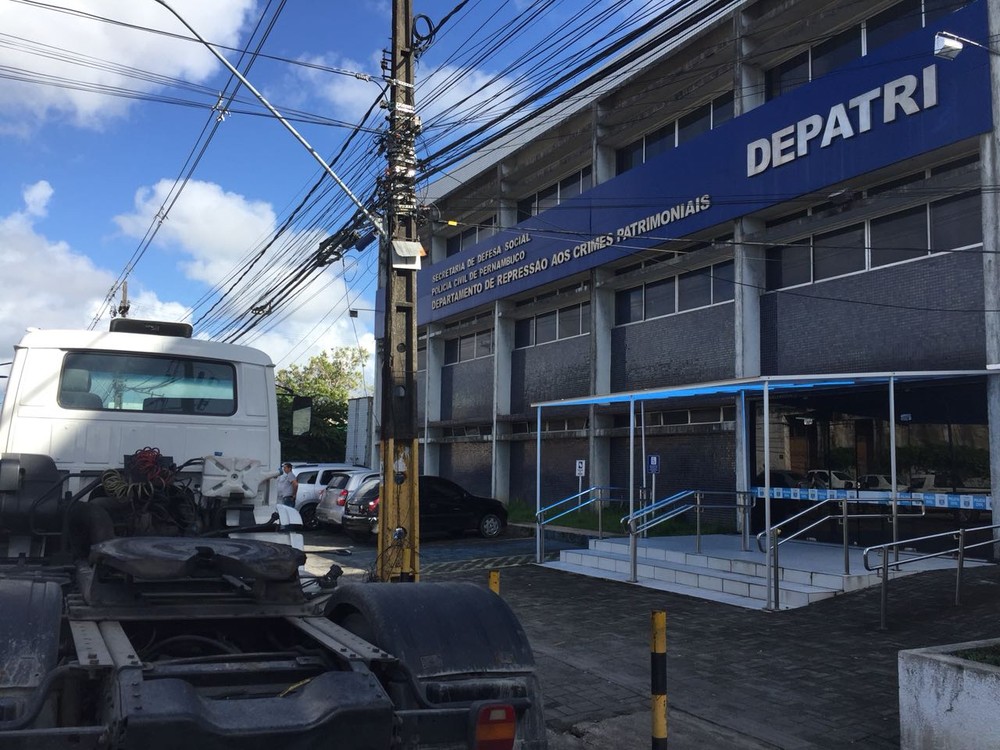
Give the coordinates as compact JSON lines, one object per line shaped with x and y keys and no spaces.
{"x":653,"y":463}
{"x":896,"y":103}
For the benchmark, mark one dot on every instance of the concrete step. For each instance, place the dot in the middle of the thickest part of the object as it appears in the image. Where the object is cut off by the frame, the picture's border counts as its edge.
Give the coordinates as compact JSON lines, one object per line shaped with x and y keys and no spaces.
{"x":756,"y":567}
{"x":737,"y":582}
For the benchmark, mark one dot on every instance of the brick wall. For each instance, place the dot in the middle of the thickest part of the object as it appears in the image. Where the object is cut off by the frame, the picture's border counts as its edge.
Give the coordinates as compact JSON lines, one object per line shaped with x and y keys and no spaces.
{"x":677,"y":349}
{"x":877,"y":321}
{"x":560,"y":369}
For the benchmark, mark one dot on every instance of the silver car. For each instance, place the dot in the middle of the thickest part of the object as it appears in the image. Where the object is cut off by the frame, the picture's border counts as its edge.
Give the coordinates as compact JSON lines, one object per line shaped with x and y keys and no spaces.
{"x":339,"y":489}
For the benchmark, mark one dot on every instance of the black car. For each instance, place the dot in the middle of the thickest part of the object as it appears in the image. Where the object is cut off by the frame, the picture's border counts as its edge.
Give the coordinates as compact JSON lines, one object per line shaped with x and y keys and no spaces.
{"x":445,"y":507}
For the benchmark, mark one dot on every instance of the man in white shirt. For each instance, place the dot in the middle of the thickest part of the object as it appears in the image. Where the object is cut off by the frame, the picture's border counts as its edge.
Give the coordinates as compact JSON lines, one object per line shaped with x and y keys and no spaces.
{"x":288,"y":485}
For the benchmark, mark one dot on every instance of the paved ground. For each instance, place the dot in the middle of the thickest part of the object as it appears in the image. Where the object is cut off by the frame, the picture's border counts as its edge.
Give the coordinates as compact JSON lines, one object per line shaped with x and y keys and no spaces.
{"x":822,"y":676}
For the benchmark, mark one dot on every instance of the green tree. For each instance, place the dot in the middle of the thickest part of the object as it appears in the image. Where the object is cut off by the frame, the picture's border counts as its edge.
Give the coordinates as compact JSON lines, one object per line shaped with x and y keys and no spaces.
{"x":329,"y":379}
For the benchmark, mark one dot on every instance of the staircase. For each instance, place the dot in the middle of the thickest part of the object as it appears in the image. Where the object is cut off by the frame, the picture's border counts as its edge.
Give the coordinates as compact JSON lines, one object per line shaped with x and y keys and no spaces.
{"x":722,"y":572}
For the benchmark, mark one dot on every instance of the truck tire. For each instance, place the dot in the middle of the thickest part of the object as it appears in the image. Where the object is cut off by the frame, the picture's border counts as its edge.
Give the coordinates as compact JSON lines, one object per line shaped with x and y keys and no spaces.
{"x":442,"y":632}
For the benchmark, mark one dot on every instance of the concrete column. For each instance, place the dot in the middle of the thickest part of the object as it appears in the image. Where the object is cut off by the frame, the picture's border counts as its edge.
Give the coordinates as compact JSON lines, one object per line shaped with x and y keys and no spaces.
{"x":432,"y":396}
{"x":749,"y":272}
{"x":603,"y":155}
{"x":989,"y":166}
{"x":748,"y":79}
{"x":602,"y":319}
{"x":503,"y":345}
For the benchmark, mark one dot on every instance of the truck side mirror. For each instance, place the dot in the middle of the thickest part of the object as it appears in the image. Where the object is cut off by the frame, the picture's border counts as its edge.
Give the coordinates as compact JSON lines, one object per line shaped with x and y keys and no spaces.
{"x":301,"y":414}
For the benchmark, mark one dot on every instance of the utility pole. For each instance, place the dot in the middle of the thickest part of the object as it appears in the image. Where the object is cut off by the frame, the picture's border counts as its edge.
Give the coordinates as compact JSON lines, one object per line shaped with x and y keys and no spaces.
{"x":399,"y":260}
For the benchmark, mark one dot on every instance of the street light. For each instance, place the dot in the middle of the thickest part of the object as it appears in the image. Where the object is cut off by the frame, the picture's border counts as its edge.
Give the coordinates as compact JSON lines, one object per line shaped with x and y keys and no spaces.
{"x":948,"y":45}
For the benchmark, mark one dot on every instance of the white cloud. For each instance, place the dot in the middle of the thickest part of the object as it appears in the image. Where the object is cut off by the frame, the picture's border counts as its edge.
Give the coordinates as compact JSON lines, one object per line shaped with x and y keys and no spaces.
{"x":73,"y":50}
{"x":215,"y":229}
{"x":45,"y":283}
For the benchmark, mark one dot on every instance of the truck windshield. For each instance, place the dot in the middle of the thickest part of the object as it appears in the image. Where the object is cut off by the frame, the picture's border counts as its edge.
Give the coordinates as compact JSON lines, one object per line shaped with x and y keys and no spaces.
{"x":148,"y":383}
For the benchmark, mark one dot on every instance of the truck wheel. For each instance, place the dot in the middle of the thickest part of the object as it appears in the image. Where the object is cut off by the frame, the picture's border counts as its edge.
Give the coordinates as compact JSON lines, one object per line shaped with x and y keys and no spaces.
{"x":460,"y":630}
{"x":309,"y":520}
{"x":490,"y":526}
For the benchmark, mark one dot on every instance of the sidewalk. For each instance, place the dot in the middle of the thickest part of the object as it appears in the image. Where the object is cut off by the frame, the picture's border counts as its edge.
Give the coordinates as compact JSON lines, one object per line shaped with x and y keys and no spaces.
{"x":822,"y":676}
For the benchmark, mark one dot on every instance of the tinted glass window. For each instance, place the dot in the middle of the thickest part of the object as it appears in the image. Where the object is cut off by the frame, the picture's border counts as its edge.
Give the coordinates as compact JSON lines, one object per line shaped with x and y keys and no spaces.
{"x":305,"y":477}
{"x":148,"y":383}
{"x":835,"y":52}
{"x":548,"y":198}
{"x":723,"y":286}
{"x":694,"y":289}
{"x":467,"y":348}
{"x":789,"y":265}
{"x":484,"y":343}
{"x":660,"y":298}
{"x":628,"y":157}
{"x":451,"y":351}
{"x":694,"y":123}
{"x":840,"y":252}
{"x":523,"y":333}
{"x":569,"y":321}
{"x":901,"y":236}
{"x":585,"y":317}
{"x":722,"y":109}
{"x":934,"y":9}
{"x":659,"y":141}
{"x":788,"y":76}
{"x":545,"y":327}
{"x":628,"y":306}
{"x":893,"y":23}
{"x":338,"y":481}
{"x":956,"y":222}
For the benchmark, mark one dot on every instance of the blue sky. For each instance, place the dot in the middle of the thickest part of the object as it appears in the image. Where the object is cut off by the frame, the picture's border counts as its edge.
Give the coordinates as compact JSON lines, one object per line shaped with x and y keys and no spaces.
{"x":85,"y":174}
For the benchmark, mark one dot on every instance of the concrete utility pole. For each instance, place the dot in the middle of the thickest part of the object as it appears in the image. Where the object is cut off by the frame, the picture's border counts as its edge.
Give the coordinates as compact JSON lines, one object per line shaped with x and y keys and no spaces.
{"x":399,"y":259}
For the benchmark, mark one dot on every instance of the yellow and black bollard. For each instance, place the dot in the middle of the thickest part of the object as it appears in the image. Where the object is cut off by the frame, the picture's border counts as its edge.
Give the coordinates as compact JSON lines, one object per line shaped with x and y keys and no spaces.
{"x":495,"y":582}
{"x":658,"y":677}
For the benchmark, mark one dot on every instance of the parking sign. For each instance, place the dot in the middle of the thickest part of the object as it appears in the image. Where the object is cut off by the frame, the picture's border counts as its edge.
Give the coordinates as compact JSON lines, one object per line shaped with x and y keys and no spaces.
{"x":581,"y":467}
{"x":653,"y":463}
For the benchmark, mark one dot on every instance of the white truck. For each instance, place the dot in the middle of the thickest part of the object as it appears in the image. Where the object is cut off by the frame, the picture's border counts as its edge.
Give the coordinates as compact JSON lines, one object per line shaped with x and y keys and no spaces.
{"x":144,"y":599}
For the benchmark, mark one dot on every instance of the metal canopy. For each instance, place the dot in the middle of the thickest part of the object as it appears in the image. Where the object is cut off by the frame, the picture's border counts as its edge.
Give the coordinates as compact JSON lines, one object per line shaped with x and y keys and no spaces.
{"x":739,"y":388}
{"x":757,"y":385}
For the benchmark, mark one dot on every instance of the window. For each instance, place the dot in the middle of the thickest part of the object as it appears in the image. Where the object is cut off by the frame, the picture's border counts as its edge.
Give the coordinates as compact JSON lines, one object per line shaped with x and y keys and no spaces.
{"x":524,"y":333}
{"x":484,"y":343}
{"x":659,"y":141}
{"x":722,"y":109}
{"x":628,"y":157}
{"x":660,"y":298}
{"x":723,"y":282}
{"x":840,"y":252}
{"x":694,"y":289}
{"x":788,"y":266}
{"x":694,"y":124}
{"x":628,"y":306}
{"x":787,"y":76}
{"x":148,"y":383}
{"x":835,"y":52}
{"x":467,"y":348}
{"x":553,"y":195}
{"x":471,"y":236}
{"x":956,"y":222}
{"x":569,"y":322}
{"x":421,"y":358}
{"x":898,"y":237}
{"x":451,"y":351}
{"x":585,"y":317}
{"x":893,"y":23}
{"x":545,"y":328}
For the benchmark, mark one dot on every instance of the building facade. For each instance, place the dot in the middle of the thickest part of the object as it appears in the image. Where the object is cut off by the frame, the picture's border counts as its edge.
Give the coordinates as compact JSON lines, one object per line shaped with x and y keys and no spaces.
{"x":761,"y":188}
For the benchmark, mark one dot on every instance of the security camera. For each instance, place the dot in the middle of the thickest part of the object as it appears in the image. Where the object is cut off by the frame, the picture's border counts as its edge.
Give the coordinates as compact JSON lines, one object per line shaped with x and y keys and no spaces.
{"x":946,"y":47}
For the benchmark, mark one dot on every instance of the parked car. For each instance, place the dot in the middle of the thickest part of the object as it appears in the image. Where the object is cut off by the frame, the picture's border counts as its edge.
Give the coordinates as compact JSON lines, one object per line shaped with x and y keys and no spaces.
{"x":445,"y":507}
{"x":880,"y":482}
{"x":835,"y":480}
{"x":333,"y":497}
{"x":312,"y":478}
{"x":783,"y":478}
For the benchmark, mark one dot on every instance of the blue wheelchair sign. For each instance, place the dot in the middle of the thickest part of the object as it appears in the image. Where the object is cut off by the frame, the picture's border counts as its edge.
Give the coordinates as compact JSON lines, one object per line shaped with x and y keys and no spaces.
{"x":653,"y":463}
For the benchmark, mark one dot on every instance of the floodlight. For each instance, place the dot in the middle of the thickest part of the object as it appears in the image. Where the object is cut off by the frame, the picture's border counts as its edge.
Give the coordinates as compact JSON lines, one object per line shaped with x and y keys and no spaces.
{"x":946,"y":47}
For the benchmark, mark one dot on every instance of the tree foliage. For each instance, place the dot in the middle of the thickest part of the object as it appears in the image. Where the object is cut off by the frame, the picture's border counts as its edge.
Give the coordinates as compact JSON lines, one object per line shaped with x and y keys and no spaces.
{"x":329,"y":379}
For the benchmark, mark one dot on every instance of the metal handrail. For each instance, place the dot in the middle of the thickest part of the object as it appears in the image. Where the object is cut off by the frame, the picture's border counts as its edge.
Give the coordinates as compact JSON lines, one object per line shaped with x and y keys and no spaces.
{"x":635,"y":528}
{"x":775,"y":531}
{"x":958,"y":551}
{"x":541,"y":520}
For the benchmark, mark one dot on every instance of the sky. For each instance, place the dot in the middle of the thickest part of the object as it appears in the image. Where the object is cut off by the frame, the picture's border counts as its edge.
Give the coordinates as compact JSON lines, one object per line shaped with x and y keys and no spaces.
{"x":89,"y":185}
